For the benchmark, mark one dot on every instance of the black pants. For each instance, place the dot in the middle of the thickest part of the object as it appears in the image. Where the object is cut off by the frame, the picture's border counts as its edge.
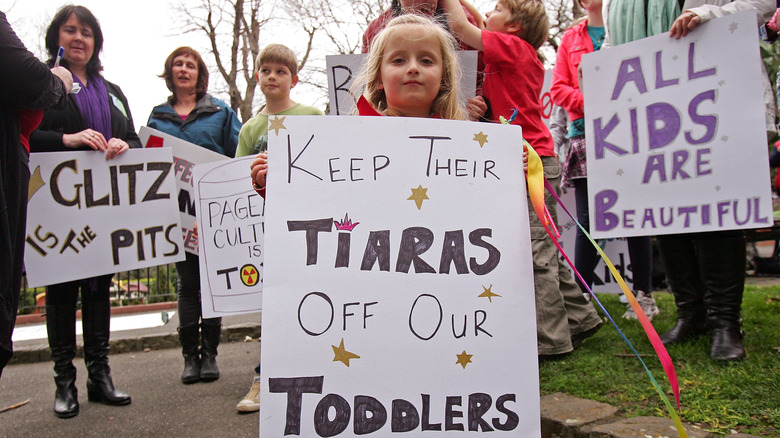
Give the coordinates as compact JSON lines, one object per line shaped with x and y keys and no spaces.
{"x":188,"y":289}
{"x":640,"y":249}
{"x":14,"y":179}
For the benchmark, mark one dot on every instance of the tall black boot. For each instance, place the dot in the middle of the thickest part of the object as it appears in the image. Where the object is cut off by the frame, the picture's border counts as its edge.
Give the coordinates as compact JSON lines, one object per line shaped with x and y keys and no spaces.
{"x":723,"y":264}
{"x":190,"y":341}
{"x":96,"y":320}
{"x":61,"y":327}
{"x":210,"y":333}
{"x":682,"y":272}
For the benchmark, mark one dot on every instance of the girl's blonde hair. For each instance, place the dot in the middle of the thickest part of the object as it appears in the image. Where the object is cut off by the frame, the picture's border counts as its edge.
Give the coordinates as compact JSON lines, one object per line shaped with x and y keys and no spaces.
{"x":447,"y":103}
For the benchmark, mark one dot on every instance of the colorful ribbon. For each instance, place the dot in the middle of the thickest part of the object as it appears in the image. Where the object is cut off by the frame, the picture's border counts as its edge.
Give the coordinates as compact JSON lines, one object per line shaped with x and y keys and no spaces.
{"x":536,"y":186}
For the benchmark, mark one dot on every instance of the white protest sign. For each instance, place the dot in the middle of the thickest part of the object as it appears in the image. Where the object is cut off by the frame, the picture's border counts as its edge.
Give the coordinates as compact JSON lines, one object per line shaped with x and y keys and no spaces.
{"x":89,"y":216}
{"x":616,"y":249}
{"x":398,"y":287}
{"x":230,"y":231}
{"x":545,"y":98}
{"x":343,"y":69}
{"x":675,"y":133}
{"x":185,"y":156}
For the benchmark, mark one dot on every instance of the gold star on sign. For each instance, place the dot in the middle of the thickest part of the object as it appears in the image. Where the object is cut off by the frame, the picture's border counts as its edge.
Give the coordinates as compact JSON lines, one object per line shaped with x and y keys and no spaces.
{"x":418,"y":196}
{"x":340,"y":354}
{"x":463,"y":359}
{"x":36,"y":182}
{"x":276,"y":124}
{"x":489,"y":294}
{"x":481,"y":138}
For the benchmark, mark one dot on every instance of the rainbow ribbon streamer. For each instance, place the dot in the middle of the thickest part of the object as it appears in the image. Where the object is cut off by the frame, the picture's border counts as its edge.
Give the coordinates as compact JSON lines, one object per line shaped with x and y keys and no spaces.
{"x":536,"y":186}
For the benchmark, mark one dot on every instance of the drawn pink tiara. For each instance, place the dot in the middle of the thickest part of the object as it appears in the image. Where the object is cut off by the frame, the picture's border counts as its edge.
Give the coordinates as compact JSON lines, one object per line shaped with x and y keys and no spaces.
{"x":346,"y":224}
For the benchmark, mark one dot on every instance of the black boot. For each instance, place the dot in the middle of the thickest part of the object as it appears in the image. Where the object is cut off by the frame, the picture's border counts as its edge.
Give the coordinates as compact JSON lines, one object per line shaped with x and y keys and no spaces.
{"x":190,"y":340}
{"x":96,"y":320}
{"x":724,"y":278}
{"x":61,"y":327}
{"x":210,"y":334}
{"x":680,"y":261}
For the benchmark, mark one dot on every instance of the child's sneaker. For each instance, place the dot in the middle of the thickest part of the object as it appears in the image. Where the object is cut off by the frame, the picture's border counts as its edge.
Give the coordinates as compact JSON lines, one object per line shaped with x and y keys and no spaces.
{"x":251,"y":401}
{"x":646,"y":302}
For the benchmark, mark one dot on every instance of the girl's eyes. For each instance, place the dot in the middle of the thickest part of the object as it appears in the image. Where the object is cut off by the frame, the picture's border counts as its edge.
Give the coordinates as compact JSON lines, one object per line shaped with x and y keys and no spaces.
{"x":397,"y":61}
{"x":426,"y":61}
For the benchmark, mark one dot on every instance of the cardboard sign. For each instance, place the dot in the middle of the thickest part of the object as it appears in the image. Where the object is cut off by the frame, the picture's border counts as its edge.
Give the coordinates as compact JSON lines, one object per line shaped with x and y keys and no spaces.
{"x":230,"y":231}
{"x":89,"y":216}
{"x":185,"y":156}
{"x":675,"y":133}
{"x":398,"y":285}
{"x":616,"y":249}
{"x":342,"y":70}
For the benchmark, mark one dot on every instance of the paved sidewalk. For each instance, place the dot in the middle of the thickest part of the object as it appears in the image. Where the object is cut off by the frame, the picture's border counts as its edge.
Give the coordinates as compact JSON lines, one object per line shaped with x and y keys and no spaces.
{"x":147,"y":363}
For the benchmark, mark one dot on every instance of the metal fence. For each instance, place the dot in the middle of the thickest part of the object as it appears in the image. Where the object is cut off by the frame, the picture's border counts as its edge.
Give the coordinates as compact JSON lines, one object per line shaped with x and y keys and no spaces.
{"x":139,"y":286}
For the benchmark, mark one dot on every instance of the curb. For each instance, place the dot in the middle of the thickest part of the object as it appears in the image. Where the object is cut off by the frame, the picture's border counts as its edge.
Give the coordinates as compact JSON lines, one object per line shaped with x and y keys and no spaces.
{"x":41,"y":353}
{"x":36,"y":318}
{"x":564,"y":416}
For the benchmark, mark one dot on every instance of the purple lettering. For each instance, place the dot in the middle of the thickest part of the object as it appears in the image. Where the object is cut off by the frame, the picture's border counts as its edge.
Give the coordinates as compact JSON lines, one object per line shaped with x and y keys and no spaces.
{"x":600,"y":137}
{"x":659,"y":77}
{"x":697,"y":74}
{"x":605,"y":220}
{"x":710,"y":122}
{"x":655,"y":163}
{"x":701,"y":162}
{"x":648,"y":217}
{"x":687,"y":212}
{"x":723,"y":209}
{"x":668,"y":115}
{"x":625,"y":76}
{"x":628,"y":218}
{"x":678,"y":161}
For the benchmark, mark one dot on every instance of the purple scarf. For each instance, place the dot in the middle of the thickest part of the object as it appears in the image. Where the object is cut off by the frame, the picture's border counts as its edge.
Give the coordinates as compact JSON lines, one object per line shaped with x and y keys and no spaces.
{"x":93,"y":103}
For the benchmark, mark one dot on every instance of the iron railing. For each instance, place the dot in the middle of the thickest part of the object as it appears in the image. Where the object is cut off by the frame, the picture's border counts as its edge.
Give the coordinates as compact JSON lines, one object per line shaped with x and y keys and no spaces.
{"x":139,"y":286}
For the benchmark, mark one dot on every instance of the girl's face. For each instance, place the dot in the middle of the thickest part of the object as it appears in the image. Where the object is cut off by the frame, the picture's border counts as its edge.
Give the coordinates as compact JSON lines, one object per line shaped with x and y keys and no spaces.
{"x":185,"y":72}
{"x":78,"y":41}
{"x":411,"y":71}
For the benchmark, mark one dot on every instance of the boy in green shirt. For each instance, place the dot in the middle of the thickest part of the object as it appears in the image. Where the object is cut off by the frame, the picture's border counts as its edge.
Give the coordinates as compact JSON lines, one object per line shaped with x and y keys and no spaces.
{"x":276,"y":70}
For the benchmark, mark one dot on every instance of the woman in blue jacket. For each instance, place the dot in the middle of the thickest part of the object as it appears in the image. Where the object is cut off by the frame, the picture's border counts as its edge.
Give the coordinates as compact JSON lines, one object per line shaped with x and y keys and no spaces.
{"x":191,"y":114}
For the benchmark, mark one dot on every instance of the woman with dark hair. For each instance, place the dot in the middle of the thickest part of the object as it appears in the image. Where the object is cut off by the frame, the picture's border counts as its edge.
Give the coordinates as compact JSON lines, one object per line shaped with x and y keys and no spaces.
{"x":191,"y":114}
{"x":97,"y":118}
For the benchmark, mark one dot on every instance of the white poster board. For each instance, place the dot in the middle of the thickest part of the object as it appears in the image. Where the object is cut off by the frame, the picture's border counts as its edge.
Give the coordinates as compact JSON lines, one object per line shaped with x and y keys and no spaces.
{"x":545,"y":98}
{"x":675,"y":133}
{"x":230,"y":231}
{"x":185,"y":156}
{"x":398,"y":285}
{"x":89,"y":216}
{"x":615,"y":248}
{"x":343,"y":69}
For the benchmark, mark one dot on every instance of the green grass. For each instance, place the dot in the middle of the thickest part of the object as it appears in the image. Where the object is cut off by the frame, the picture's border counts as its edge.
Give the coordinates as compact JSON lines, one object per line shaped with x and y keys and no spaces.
{"x":740,"y":396}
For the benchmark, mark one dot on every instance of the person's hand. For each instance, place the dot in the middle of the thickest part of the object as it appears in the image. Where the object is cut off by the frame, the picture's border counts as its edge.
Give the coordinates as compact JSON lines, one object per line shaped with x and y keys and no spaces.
{"x":525,"y":158}
{"x":579,"y":77}
{"x":87,"y":137}
{"x":115,"y":148}
{"x":66,"y":77}
{"x":476,"y":107}
{"x":259,"y":170}
{"x":685,"y":23}
{"x":195,"y":232}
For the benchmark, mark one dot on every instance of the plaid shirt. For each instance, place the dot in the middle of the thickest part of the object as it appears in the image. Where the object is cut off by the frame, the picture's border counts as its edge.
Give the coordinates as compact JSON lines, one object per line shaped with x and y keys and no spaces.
{"x":575,"y":165}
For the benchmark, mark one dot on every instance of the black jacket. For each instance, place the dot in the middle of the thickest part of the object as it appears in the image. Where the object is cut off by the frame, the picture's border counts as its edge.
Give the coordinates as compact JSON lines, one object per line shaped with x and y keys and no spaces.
{"x":68,"y":120}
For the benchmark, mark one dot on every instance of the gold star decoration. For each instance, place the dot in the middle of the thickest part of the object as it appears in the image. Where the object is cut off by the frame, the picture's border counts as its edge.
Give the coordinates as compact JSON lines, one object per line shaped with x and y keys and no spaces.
{"x":340,"y":354}
{"x":488,"y":293}
{"x":277,"y":123}
{"x":481,"y":138}
{"x":418,"y":196}
{"x":463,"y":359}
{"x":36,"y":182}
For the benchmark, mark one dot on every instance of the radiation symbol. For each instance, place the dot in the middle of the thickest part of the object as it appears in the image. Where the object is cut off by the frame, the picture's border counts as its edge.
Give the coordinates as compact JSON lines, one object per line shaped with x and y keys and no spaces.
{"x":249,"y":275}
